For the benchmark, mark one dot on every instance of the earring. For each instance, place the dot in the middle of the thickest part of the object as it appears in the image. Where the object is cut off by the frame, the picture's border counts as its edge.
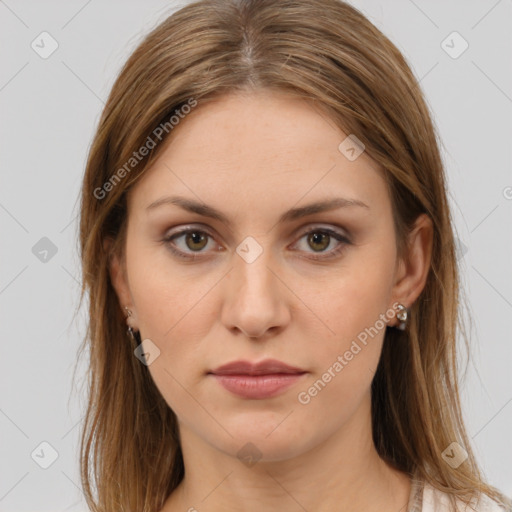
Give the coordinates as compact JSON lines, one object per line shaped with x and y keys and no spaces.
{"x":402,"y":315}
{"x":130,"y":331}
{"x":131,"y":334}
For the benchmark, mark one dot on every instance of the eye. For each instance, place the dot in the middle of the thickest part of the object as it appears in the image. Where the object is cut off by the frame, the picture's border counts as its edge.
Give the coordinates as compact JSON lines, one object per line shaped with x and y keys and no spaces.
{"x":188,"y":241}
{"x":320,"y":239}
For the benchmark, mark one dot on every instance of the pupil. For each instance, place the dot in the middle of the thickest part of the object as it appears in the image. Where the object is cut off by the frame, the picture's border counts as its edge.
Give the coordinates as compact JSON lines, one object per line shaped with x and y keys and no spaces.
{"x":316,"y":238}
{"x":196,"y":239}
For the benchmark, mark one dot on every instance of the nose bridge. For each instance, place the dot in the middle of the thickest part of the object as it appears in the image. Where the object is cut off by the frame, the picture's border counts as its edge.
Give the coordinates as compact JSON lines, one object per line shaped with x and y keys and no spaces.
{"x":254,"y":303}
{"x":254,"y":277}
{"x":251,"y":272}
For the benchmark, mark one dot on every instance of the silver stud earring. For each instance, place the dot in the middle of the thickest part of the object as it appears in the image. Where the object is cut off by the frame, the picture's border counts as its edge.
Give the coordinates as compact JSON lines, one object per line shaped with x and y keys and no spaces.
{"x":402,"y":315}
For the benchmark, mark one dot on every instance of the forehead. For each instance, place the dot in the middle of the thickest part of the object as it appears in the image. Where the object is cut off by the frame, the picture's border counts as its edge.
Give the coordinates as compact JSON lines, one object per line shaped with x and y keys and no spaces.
{"x":259,"y":150}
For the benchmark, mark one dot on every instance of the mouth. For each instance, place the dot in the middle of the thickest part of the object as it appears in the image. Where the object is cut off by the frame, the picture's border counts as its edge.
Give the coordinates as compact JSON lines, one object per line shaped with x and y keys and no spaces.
{"x":257,"y":380}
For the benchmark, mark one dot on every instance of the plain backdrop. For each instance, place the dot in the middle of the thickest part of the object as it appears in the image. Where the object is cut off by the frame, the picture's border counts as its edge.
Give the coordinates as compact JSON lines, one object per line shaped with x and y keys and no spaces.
{"x":49,"y":110}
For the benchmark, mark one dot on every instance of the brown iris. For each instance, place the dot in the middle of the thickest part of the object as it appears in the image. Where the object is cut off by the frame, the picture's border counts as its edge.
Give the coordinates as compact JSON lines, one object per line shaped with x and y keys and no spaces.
{"x":319,"y":239}
{"x":199,"y":240}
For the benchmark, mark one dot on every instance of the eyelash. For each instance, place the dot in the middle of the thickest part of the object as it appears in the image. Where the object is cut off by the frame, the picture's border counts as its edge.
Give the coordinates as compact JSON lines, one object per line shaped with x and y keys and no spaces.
{"x":344,"y":241}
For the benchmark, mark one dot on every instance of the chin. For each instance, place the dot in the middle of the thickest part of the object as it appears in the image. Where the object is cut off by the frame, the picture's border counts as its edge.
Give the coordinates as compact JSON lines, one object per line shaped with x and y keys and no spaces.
{"x":264,"y":437}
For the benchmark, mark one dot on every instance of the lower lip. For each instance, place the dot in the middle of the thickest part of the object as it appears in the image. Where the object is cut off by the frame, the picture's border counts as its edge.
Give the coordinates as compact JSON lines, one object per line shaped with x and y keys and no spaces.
{"x":258,"y":386}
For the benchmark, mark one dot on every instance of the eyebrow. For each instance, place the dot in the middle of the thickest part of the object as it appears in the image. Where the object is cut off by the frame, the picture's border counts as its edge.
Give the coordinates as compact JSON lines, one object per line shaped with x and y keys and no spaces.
{"x":288,"y":216}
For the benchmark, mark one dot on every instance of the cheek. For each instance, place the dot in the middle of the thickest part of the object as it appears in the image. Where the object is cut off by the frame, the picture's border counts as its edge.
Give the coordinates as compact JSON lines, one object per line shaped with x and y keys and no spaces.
{"x":175,"y":319}
{"x":176,"y":315}
{"x":346,"y":363}
{"x":354,"y":303}
{"x":175,"y":311}
{"x":167,"y":296}
{"x":354,"y":297}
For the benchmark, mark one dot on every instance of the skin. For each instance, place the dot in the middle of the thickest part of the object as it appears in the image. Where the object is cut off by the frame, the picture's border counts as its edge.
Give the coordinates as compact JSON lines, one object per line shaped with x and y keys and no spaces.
{"x":254,"y":156}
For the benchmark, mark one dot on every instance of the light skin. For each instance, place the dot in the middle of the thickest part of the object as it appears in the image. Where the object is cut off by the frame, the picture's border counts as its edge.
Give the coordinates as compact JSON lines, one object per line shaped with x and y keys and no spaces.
{"x":253,"y":157}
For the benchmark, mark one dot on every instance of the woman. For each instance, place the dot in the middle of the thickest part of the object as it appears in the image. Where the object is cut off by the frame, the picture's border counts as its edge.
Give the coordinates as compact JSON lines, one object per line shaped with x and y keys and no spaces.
{"x":273,"y":290}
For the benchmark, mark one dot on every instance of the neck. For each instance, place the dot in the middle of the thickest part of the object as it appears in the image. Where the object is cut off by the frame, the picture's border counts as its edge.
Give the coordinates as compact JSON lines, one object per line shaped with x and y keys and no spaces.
{"x":343,"y":473}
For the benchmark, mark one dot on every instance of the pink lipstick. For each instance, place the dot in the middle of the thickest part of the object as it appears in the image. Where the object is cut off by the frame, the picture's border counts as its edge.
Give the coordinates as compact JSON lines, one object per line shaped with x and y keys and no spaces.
{"x":260,"y":380}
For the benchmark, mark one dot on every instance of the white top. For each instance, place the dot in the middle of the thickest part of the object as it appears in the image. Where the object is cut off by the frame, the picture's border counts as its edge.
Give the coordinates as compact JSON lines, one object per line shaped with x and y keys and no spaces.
{"x":425,"y":498}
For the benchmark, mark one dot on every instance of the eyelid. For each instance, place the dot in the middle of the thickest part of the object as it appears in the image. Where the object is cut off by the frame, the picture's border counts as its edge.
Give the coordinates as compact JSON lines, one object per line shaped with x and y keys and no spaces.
{"x":169,"y":235}
{"x":184,"y":230}
{"x":331,"y":229}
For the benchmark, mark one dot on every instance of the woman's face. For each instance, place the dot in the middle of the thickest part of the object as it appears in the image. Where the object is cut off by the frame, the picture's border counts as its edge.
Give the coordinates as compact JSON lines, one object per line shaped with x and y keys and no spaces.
{"x":249,"y":283}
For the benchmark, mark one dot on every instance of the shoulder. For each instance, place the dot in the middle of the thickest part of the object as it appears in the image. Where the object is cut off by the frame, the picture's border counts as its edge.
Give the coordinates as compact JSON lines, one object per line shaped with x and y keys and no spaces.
{"x":438,"y":501}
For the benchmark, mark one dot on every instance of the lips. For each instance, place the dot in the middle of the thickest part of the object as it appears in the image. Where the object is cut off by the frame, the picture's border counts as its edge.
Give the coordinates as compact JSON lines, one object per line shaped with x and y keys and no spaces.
{"x":266,"y":367}
{"x":257,"y":380}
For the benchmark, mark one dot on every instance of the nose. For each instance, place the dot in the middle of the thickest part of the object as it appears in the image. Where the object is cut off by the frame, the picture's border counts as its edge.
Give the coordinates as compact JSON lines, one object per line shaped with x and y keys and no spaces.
{"x":255,"y":298}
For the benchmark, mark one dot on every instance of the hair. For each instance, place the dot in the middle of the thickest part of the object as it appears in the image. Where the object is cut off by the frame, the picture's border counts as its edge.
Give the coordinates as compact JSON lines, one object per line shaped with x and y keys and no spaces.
{"x":328,"y":53}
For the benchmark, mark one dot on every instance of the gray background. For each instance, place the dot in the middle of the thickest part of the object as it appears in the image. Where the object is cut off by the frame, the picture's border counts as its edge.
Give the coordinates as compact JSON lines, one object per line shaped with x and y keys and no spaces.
{"x":49,"y":109}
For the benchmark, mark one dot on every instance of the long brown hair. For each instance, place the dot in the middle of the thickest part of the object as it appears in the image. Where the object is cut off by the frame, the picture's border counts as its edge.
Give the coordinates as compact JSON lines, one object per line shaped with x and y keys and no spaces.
{"x":328,"y":53}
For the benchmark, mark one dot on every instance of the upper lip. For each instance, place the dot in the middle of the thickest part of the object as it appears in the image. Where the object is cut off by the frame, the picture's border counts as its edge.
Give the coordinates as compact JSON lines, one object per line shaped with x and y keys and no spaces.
{"x":266,"y":367}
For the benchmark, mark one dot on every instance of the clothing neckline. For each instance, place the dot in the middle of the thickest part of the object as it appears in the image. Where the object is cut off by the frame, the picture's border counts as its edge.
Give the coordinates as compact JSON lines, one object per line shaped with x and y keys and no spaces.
{"x":415,"y":503}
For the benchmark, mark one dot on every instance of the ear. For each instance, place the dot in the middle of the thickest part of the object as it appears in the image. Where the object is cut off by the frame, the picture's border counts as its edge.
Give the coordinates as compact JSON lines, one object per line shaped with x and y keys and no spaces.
{"x":117,"y":272}
{"x":414,"y":268}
